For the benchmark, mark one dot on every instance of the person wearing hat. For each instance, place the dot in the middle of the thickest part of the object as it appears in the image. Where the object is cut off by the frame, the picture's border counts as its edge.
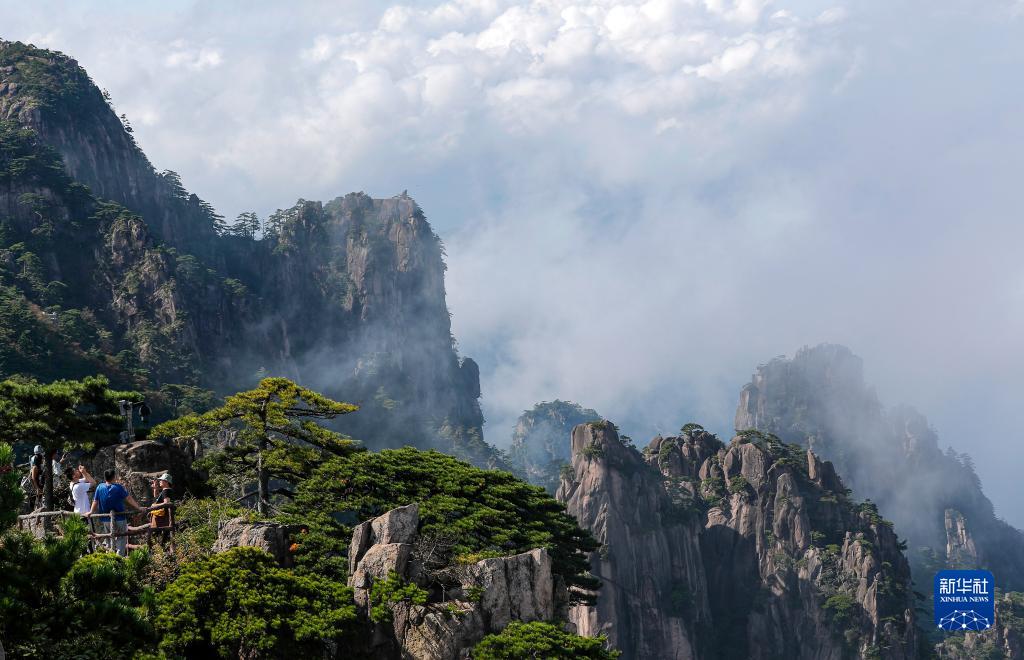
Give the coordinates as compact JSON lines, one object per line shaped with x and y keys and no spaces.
{"x":162,"y":491}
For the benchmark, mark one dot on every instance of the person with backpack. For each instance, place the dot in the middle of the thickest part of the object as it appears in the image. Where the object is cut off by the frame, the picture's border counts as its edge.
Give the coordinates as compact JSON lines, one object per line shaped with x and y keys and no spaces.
{"x":37,"y":476}
{"x":111,"y":496}
{"x":81,"y":483}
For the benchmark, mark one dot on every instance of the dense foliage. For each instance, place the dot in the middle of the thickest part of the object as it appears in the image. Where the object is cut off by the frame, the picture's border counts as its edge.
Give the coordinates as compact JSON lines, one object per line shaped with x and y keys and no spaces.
{"x":386,"y":593}
{"x":478,"y":512}
{"x":241,"y":604}
{"x":56,"y":601}
{"x":273,"y":434}
{"x":533,"y":641}
{"x":11,"y":494}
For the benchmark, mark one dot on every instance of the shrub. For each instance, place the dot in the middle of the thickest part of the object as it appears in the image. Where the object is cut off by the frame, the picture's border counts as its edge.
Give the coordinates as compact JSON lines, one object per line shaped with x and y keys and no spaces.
{"x":841,"y":609}
{"x":384,"y":594}
{"x":738,"y":484}
{"x":527,"y":641}
{"x":55,"y":602}
{"x":242,"y":604}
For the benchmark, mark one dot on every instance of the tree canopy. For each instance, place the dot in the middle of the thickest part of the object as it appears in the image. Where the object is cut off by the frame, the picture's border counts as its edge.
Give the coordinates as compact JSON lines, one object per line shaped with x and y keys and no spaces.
{"x":241,"y":604}
{"x":530,"y":641}
{"x":11,"y":494}
{"x":57,"y":601}
{"x":478,"y":512}
{"x":271,"y":432}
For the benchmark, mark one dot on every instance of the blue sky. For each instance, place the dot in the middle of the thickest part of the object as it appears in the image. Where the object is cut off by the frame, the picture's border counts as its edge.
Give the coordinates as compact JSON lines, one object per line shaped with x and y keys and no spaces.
{"x":640,"y":200}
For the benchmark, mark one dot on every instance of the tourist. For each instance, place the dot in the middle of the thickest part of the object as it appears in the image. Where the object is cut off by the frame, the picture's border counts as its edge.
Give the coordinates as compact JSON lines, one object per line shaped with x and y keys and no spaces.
{"x":37,"y":476}
{"x":81,"y":483}
{"x":111,"y":496}
{"x":162,"y":492}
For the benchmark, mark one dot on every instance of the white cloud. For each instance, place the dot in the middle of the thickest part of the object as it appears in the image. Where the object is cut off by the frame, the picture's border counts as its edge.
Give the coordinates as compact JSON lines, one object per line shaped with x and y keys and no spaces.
{"x":196,"y":59}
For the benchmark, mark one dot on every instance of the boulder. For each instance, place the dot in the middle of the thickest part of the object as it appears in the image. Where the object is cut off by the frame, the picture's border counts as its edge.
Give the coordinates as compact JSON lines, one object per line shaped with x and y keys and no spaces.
{"x":516,"y":588}
{"x":268,"y":536}
{"x":519,"y":587}
{"x":138,"y":463}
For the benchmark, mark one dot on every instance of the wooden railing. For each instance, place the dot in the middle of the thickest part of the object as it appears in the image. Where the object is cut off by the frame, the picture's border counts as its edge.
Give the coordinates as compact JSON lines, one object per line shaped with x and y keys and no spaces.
{"x":97,"y":537}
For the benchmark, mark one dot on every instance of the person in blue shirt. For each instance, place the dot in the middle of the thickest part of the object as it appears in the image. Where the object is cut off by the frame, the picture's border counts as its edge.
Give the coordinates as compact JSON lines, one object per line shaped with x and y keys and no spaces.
{"x":112,"y":496}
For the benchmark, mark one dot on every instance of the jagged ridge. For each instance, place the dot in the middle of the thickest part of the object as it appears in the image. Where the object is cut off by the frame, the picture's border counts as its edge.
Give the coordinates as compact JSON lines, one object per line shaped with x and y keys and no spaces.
{"x":745,"y":550}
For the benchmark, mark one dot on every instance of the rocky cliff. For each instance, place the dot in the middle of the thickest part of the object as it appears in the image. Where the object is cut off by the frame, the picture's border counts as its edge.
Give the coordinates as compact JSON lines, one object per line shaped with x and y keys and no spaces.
{"x":108,"y":266}
{"x":539,"y":451}
{"x":747,"y":550}
{"x":819,"y":400}
{"x":460,"y":604}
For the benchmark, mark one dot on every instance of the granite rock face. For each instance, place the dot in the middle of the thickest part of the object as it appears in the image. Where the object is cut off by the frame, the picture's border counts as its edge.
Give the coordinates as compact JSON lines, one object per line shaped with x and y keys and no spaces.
{"x":267,"y":536}
{"x":137,"y":464}
{"x":819,"y":399}
{"x":481,"y":598}
{"x":745,"y":550}
{"x":653,"y":602}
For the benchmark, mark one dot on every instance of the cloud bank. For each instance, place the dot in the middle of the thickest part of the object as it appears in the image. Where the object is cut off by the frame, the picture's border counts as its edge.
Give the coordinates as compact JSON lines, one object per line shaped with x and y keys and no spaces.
{"x":641,"y":200}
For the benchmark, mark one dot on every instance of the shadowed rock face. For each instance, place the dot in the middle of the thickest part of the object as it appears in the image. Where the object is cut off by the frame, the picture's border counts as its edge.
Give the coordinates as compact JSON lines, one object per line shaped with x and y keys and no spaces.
{"x":137,"y":464}
{"x":746,"y":550}
{"x":819,"y":400}
{"x":539,"y":451}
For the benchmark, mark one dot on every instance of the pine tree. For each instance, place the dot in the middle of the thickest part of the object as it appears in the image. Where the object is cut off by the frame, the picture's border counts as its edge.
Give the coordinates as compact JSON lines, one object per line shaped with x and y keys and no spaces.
{"x":274,"y":433}
{"x":174,"y":181}
{"x":246,"y":225}
{"x":10,"y":492}
{"x":60,"y":415}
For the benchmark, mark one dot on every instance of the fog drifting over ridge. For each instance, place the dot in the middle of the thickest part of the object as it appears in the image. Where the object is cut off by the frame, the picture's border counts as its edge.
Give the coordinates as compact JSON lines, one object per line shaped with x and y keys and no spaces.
{"x":641,"y":200}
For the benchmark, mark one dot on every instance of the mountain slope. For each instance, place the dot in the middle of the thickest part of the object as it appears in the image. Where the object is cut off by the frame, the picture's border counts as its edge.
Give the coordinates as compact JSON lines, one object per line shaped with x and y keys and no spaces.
{"x":819,"y":399}
{"x":110,"y":266}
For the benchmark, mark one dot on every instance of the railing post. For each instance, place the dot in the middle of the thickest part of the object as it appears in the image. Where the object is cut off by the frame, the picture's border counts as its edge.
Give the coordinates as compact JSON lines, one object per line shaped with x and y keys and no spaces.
{"x":174,"y":525}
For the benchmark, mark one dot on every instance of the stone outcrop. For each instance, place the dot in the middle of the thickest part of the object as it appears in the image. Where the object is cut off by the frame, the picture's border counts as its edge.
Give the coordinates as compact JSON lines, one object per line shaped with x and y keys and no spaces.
{"x":380,"y":546}
{"x":653,"y":600}
{"x":961,"y":551}
{"x":479,"y":598}
{"x":766,"y":555}
{"x":268,"y":536}
{"x":819,"y":399}
{"x":137,"y":464}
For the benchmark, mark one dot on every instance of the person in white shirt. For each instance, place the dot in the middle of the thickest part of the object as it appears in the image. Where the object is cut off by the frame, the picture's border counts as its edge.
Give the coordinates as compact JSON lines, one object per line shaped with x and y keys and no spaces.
{"x":81,"y":483}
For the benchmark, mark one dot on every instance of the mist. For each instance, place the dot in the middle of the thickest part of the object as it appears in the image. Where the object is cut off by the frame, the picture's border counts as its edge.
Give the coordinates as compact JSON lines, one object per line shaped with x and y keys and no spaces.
{"x":641,"y":201}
